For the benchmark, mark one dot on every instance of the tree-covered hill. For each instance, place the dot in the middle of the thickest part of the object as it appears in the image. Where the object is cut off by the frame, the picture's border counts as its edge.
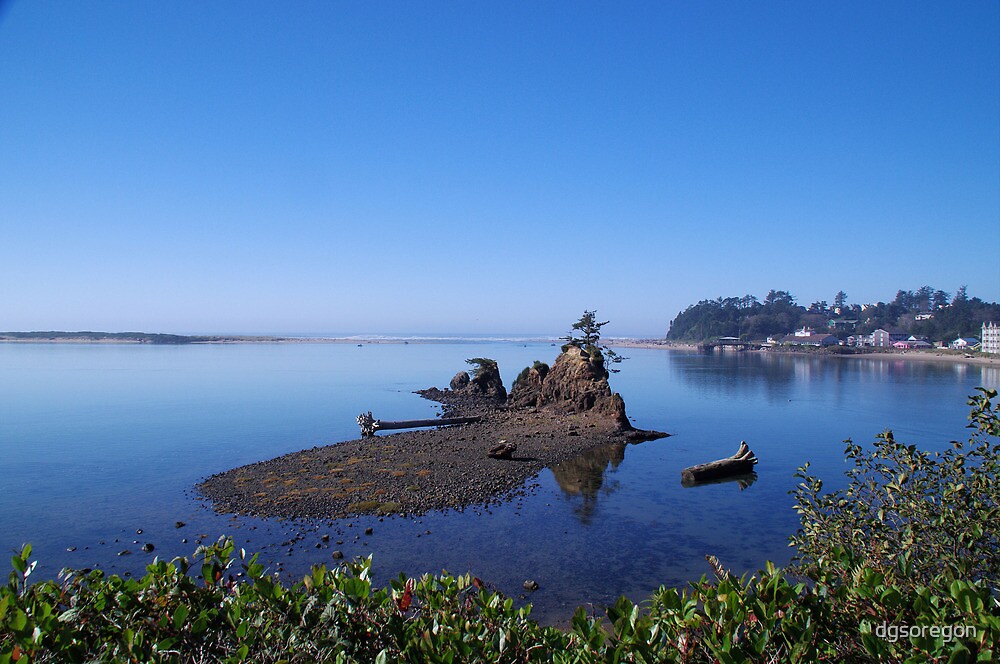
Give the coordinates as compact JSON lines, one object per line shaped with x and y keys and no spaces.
{"x":928,"y":312}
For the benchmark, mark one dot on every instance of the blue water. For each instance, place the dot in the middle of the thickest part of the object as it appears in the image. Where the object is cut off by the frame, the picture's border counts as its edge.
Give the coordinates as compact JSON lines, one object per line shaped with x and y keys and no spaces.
{"x":100,"y":441}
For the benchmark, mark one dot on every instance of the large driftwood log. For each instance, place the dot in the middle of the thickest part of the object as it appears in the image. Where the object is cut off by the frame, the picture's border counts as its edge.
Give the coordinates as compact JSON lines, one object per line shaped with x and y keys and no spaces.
{"x":740,"y":463}
{"x":369,"y":425}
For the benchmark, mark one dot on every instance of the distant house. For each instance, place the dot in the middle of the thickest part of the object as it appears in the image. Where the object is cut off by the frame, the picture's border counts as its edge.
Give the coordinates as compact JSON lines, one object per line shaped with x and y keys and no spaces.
{"x":912,"y":342}
{"x":886,"y":338}
{"x":920,"y":342}
{"x":798,"y":339}
{"x":924,"y":315}
{"x":991,"y":338}
{"x":964,"y":343}
{"x":836,"y":324}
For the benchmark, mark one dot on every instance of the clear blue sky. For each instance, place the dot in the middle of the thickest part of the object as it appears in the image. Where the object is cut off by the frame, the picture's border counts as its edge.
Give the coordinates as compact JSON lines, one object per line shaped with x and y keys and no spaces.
{"x":476,"y":167}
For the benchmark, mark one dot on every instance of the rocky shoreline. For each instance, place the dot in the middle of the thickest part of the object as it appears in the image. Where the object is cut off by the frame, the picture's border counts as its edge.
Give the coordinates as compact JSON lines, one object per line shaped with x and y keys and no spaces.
{"x":552,"y":420}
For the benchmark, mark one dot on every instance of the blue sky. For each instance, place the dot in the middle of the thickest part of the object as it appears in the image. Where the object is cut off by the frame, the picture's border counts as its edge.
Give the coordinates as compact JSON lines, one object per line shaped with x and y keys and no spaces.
{"x":474,"y":167}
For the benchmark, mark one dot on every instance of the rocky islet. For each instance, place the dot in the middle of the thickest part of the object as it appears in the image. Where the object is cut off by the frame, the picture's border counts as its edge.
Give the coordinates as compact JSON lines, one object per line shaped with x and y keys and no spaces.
{"x":552,"y":414}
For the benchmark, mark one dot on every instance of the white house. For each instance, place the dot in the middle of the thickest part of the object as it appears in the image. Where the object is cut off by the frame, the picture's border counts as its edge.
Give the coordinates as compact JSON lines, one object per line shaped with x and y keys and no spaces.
{"x":964,"y":343}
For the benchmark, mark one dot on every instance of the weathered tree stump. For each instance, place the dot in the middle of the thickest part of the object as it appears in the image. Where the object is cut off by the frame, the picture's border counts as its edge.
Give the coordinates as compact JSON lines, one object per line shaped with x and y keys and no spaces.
{"x":741,"y":463}
{"x":503,"y":450}
{"x":369,"y":425}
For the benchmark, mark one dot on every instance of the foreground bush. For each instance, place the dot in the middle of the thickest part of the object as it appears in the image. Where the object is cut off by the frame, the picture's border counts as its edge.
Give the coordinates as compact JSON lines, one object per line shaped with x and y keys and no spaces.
{"x":889,"y":578}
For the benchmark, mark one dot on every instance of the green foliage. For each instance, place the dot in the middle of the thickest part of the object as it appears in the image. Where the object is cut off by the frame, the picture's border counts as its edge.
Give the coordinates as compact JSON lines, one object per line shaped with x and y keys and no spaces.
{"x":590,"y":342}
{"x":779,"y":314}
{"x":482,"y":364}
{"x":169,"y":615}
{"x":880,"y":558}
{"x":541,"y":367}
{"x":590,"y":329}
{"x":932,"y":511}
{"x":737,"y":317}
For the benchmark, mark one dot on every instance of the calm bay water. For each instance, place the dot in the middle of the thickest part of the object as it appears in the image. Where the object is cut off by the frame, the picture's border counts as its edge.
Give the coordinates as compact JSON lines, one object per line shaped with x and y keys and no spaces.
{"x":99,"y":441}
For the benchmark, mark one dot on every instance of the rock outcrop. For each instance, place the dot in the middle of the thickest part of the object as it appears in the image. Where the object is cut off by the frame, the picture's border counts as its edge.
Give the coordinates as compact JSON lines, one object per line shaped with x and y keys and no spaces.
{"x":576,"y":383}
{"x":527,"y":388}
{"x":460,"y":381}
{"x":482,"y":391}
{"x":487,"y":381}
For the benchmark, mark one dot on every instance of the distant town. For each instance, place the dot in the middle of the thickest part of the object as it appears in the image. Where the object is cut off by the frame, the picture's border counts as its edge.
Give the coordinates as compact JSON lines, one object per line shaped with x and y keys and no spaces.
{"x":923,"y":319}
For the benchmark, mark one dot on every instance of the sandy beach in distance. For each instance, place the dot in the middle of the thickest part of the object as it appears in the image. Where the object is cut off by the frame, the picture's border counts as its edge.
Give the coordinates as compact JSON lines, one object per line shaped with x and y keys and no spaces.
{"x":932,"y":355}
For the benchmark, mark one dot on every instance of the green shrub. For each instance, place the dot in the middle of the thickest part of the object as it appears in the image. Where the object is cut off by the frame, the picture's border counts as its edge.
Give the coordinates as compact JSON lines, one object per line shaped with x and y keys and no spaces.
{"x":541,"y":367}
{"x":480,"y":364}
{"x":936,"y":513}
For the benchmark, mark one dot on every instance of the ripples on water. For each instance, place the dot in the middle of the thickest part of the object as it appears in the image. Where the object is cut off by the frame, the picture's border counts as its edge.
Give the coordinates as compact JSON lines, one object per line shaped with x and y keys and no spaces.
{"x":99,"y":441}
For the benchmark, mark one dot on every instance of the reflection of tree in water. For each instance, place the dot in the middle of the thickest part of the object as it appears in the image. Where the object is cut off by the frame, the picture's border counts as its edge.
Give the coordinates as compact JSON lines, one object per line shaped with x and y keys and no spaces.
{"x":729,"y":373}
{"x":584,"y":476}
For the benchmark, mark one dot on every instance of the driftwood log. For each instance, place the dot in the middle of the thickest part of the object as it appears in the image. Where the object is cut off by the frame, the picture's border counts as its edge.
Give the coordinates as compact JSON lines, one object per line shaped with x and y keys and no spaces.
{"x":741,"y":463}
{"x":502,"y":450}
{"x":369,"y":425}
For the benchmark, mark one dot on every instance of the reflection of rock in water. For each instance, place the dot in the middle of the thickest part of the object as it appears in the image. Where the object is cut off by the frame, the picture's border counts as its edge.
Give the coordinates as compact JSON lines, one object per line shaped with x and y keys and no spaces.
{"x":584,"y":476}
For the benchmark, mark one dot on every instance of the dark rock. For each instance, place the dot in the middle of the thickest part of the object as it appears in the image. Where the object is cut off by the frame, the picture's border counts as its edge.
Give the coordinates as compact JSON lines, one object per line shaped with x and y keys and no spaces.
{"x":503,"y":450}
{"x":487,"y":381}
{"x":337,"y":555}
{"x":147,"y":547}
{"x":527,"y":387}
{"x":530,"y":585}
{"x":368,"y":531}
{"x":179,"y":524}
{"x":460,"y":381}
{"x":126,"y":552}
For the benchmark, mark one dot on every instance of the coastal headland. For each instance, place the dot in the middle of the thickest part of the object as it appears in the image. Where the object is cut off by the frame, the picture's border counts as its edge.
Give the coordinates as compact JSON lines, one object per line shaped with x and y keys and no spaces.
{"x":551,"y":416}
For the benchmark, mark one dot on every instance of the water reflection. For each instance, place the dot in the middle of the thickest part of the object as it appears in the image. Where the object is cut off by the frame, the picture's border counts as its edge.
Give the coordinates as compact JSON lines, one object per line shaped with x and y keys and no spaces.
{"x":749,"y":374}
{"x":583,"y":477}
{"x":780,"y":377}
{"x":743,"y":481}
{"x":990,"y":377}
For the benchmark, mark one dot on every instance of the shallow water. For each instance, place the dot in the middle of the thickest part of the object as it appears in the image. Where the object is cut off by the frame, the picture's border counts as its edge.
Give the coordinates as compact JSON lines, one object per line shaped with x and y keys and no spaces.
{"x":99,"y":441}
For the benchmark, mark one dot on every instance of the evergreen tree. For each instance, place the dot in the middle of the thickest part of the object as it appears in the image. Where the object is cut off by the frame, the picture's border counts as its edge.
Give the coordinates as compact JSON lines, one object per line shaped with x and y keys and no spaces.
{"x":590,"y":341}
{"x":839,"y":300}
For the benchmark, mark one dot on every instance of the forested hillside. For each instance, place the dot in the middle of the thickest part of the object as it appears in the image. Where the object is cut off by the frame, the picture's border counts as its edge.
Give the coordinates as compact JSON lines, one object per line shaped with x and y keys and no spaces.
{"x":935,"y":314}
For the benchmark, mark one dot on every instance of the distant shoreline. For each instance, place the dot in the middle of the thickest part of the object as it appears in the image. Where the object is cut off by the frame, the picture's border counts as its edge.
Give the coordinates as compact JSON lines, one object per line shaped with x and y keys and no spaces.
{"x":929,"y":355}
{"x":916,"y":355}
{"x":178,"y":340}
